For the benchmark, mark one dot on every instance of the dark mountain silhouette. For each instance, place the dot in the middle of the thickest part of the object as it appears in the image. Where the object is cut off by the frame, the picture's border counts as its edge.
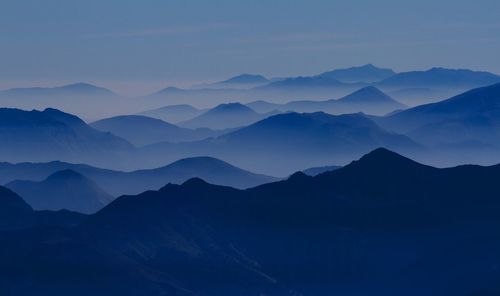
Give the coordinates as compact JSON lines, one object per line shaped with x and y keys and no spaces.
{"x":366,"y":73}
{"x":174,"y":113}
{"x":288,"y":142}
{"x":51,"y":134}
{"x":440,"y":78}
{"x":368,"y":99}
{"x":142,"y":130}
{"x":354,"y":230}
{"x":319,"y":170}
{"x":65,"y":90}
{"x":118,"y":183}
{"x":16,"y":214}
{"x":224,"y":116}
{"x":63,"y":190}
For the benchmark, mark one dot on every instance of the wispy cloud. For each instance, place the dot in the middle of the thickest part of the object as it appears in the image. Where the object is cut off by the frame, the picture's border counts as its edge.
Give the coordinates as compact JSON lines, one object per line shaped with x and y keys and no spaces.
{"x":178,"y":30}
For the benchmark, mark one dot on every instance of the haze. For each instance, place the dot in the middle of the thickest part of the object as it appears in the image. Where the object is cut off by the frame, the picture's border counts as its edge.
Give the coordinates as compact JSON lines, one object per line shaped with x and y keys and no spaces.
{"x":137,"y":47}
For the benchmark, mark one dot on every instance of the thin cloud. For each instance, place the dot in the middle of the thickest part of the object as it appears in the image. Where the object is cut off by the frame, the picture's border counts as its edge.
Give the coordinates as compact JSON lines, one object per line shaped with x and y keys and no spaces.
{"x":166,"y":31}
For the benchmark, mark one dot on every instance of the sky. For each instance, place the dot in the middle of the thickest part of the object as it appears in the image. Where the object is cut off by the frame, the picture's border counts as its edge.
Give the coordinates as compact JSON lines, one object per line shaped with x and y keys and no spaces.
{"x":136,"y":47}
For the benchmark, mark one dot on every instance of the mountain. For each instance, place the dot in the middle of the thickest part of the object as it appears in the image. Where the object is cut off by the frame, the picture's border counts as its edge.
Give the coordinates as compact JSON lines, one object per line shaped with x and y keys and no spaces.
{"x":80,"y":89}
{"x":132,"y":128}
{"x":366,"y":73}
{"x":246,"y":79}
{"x":477,"y":103}
{"x":224,"y":116}
{"x":242,"y":81}
{"x":281,"y":144}
{"x":350,"y":231}
{"x":303,"y":82}
{"x":440,"y":78}
{"x":16,"y":214}
{"x":118,"y":183}
{"x":461,"y":129}
{"x":51,"y":134}
{"x":63,"y":190}
{"x":173,"y":113}
{"x":368,"y":99}
{"x":319,"y":170}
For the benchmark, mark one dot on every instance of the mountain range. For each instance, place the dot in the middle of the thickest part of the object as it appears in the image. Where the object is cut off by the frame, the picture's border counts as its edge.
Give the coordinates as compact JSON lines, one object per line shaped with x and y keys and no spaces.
{"x":405,"y":229}
{"x":75,"y":89}
{"x":288,"y":142}
{"x":54,"y":135}
{"x":66,"y":189}
{"x":440,"y":78}
{"x":367,"y":73}
{"x":224,"y":116}
{"x":142,"y":130}
{"x":368,"y":99}
{"x":119,"y":183}
{"x":173,"y":113}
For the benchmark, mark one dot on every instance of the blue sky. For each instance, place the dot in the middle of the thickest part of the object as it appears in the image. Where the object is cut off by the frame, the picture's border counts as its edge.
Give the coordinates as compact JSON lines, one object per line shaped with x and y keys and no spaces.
{"x":138,"y":46}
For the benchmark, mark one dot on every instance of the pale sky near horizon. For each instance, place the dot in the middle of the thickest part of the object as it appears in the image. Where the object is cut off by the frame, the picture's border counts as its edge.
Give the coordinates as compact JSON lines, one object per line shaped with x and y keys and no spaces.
{"x":136,"y":47}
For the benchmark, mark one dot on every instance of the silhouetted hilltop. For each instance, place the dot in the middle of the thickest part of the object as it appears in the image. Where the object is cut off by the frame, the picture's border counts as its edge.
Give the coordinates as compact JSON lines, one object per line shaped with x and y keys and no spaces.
{"x":65,"y":189}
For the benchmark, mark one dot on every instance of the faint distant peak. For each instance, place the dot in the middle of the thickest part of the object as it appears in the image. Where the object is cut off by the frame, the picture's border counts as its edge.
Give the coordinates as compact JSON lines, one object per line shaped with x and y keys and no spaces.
{"x":366,"y":73}
{"x":246,"y":79}
{"x":232,"y":107}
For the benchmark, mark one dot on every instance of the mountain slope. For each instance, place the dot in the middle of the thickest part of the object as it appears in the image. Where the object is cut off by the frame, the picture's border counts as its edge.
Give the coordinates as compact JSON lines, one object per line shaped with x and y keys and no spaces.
{"x":143,"y":130}
{"x":440,"y":78}
{"x":76,"y":89}
{"x":51,"y":134}
{"x":366,"y":73}
{"x":16,"y":214}
{"x":368,"y":99}
{"x":281,"y":144}
{"x":63,"y":190}
{"x":319,"y":170}
{"x":468,"y":116}
{"x":224,"y":116}
{"x":118,"y":183}
{"x":350,"y":231}
{"x":173,"y":113}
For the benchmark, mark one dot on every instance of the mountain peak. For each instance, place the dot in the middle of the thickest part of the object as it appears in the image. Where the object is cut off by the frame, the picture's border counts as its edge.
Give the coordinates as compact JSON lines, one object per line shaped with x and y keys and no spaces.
{"x":383,"y":157}
{"x":231,"y":107}
{"x":368,"y":94}
{"x":195,"y":182}
{"x":298,"y":176}
{"x":246,"y":79}
{"x":65,"y":175}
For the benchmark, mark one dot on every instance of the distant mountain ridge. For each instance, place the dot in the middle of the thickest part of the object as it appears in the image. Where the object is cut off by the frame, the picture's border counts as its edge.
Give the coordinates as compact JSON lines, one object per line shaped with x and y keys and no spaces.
{"x":142,"y":130}
{"x":79,"y":88}
{"x":440,"y":78}
{"x":309,"y":139}
{"x":118,"y":183}
{"x":51,"y":134}
{"x":173,"y":113}
{"x":230,"y":115}
{"x":65,"y":189}
{"x":368,"y":99}
{"x":366,"y":73}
